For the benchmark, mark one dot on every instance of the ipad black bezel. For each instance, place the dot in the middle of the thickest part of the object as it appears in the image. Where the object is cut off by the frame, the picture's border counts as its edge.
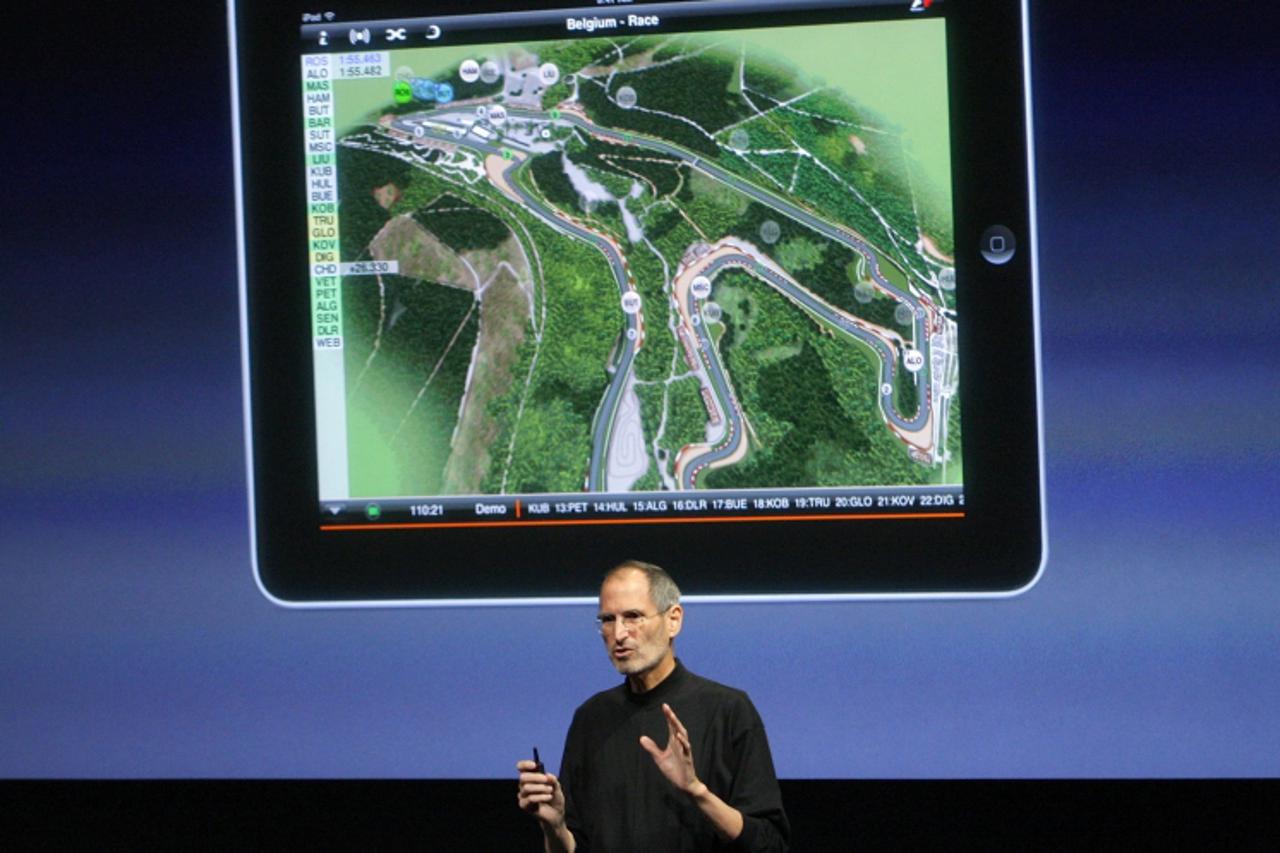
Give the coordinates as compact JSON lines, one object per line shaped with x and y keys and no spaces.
{"x":997,"y":548}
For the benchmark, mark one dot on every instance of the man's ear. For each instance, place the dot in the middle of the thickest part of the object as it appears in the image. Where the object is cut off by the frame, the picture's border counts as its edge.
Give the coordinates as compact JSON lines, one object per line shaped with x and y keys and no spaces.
{"x":675,"y":621}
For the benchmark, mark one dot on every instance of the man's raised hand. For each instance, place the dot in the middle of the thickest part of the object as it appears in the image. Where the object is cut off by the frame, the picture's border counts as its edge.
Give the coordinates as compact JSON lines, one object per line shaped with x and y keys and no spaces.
{"x":676,"y":760}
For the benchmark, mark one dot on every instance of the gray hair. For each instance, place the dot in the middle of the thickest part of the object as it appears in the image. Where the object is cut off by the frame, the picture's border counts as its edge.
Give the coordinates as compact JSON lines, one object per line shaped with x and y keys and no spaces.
{"x":662,"y":589}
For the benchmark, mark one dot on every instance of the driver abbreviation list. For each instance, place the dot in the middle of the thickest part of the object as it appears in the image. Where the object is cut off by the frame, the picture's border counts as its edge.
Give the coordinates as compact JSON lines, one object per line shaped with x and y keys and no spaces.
{"x":812,"y":504}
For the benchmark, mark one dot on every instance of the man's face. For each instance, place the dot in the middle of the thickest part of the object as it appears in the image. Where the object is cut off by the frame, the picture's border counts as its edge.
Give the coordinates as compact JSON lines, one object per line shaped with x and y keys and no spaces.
{"x":641,"y":649}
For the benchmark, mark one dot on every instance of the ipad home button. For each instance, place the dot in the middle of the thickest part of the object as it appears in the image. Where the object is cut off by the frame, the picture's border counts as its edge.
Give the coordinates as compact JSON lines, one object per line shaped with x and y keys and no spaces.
{"x":997,"y":244}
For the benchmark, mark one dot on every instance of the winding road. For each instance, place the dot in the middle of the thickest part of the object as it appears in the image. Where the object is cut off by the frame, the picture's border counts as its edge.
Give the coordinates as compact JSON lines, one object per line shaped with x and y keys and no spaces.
{"x":457,"y":126}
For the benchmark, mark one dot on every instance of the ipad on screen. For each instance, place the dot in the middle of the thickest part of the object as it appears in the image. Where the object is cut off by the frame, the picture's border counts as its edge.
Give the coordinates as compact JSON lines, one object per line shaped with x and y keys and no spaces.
{"x":742,"y":287}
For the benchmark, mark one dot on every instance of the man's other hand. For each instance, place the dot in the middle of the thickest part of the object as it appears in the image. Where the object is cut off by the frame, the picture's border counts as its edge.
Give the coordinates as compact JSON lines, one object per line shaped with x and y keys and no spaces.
{"x":540,"y":794}
{"x":676,"y":761}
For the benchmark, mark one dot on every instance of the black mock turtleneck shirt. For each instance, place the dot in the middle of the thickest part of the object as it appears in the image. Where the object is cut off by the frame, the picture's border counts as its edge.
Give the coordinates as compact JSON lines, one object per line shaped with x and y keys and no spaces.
{"x":618,"y":801}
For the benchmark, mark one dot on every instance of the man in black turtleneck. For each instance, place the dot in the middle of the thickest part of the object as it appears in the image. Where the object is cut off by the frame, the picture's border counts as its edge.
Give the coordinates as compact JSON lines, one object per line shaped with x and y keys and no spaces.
{"x":710,"y":786}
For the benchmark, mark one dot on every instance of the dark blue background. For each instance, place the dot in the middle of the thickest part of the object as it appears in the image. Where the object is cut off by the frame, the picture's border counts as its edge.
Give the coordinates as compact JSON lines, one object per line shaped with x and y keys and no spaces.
{"x":133,"y":641}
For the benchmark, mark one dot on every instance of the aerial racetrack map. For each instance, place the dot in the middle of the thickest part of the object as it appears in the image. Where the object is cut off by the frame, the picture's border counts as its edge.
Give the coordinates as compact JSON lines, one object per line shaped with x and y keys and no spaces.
{"x":649,"y":264}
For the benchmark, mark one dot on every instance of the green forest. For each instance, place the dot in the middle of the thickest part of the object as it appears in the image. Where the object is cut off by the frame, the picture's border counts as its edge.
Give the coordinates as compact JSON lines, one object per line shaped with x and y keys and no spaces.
{"x":460,"y":225}
{"x":359,"y":174}
{"x":806,"y":397}
{"x":399,"y":423}
{"x":552,"y":439}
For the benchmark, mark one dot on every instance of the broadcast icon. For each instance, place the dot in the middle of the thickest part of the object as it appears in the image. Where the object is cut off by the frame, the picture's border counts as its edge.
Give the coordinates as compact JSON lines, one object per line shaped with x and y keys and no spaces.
{"x":358,"y":36}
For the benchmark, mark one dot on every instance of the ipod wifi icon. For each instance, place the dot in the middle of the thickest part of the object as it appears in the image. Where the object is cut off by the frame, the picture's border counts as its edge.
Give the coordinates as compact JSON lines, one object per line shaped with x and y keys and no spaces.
{"x":358,"y":36}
